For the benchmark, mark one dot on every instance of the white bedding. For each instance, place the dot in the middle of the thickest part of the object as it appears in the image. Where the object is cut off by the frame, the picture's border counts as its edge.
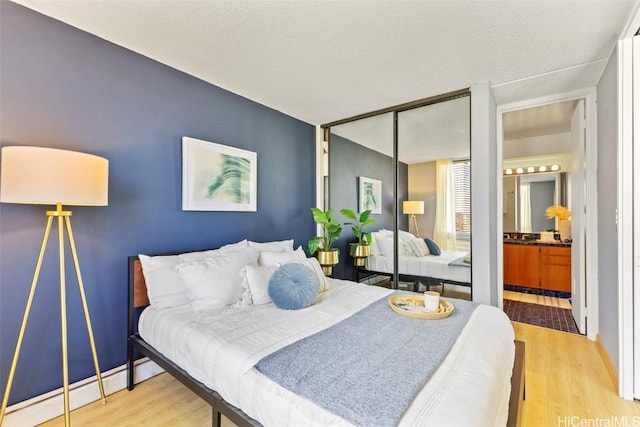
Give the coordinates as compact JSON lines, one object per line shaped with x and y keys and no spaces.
{"x":435,"y":266}
{"x":471,"y":387}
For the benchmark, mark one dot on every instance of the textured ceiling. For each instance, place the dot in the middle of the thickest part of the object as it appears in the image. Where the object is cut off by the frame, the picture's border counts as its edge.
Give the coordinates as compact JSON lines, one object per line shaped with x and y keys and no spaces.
{"x":321,"y":61}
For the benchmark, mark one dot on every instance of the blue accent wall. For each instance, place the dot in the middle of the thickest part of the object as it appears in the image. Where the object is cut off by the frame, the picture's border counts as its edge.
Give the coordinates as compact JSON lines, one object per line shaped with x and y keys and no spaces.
{"x":64,"y":88}
{"x":347,"y":162}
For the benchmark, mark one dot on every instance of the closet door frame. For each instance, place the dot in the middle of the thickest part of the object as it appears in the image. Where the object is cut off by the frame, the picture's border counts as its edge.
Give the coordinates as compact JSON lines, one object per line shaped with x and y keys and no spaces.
{"x":324,"y":132}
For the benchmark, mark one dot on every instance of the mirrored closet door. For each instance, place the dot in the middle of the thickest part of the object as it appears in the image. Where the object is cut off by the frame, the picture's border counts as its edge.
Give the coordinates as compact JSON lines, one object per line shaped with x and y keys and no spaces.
{"x":388,"y":162}
{"x":434,"y":142}
{"x":361,"y":177}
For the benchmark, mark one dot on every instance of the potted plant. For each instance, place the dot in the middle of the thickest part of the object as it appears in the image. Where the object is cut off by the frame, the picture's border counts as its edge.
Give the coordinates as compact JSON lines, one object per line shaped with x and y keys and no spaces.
{"x":320,"y":246}
{"x":359,"y":250}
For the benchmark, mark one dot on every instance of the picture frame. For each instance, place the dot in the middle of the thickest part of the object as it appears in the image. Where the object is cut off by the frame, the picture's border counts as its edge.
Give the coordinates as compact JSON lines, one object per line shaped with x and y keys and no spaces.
{"x":218,"y":177}
{"x":370,"y":195}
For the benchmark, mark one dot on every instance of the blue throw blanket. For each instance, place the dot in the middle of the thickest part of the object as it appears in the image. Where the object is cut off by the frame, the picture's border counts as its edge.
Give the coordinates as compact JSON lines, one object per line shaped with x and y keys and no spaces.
{"x":460,"y":262}
{"x":382,"y":362}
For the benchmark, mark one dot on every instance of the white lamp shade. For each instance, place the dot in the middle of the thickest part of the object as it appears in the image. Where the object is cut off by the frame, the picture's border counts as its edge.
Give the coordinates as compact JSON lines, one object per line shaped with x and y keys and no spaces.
{"x":47,"y":176}
{"x":413,"y":207}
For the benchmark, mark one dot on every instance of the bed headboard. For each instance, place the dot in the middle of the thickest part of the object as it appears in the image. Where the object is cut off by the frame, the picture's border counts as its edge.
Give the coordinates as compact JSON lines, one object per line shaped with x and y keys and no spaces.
{"x":137,"y":289}
{"x":137,"y":285}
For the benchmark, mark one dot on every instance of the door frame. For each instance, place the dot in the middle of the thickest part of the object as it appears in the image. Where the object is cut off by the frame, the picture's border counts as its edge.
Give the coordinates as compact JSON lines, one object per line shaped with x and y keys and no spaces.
{"x":591,"y":216}
{"x":627,"y":377}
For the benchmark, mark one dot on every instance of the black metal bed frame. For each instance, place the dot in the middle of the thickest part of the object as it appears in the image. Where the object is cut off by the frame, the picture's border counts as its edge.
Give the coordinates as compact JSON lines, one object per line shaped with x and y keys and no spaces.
{"x":218,"y":405}
{"x":430,"y":281}
{"x":134,"y":342}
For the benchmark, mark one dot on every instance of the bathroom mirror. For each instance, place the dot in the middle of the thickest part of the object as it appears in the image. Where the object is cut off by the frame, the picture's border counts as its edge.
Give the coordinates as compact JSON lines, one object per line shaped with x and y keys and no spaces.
{"x":526,"y":197}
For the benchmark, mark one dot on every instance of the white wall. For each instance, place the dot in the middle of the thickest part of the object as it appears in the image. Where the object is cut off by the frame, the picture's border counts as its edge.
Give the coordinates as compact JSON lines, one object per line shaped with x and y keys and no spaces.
{"x":484,"y":201}
{"x":607,"y":204}
{"x":422,"y":186}
{"x":537,"y":145}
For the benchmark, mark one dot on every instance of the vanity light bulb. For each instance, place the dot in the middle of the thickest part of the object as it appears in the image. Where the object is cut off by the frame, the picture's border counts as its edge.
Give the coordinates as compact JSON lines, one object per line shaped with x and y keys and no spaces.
{"x":542,"y":168}
{"x":519,"y":170}
{"x":508,"y":171}
{"x":555,"y":167}
{"x":531,"y":169}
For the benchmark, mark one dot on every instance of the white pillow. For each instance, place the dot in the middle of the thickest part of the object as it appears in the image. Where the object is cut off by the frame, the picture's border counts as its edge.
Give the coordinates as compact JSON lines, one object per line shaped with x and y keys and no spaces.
{"x":385,"y":245}
{"x":232,"y":247}
{"x":268,"y":258}
{"x":315,"y":266}
{"x":417,"y":247}
{"x":405,"y":236}
{"x":405,"y":248}
{"x":374,"y":249}
{"x":276,"y":246}
{"x":257,"y":282}
{"x":164,"y":285}
{"x":215,"y":282}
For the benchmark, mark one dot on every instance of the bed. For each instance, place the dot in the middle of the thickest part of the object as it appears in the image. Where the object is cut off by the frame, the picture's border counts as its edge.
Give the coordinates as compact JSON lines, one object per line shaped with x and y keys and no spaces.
{"x":233,"y":386}
{"x":416,"y":263}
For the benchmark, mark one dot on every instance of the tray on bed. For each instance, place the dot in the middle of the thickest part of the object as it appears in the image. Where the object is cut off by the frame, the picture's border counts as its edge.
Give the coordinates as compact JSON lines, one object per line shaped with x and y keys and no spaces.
{"x":409,"y":305}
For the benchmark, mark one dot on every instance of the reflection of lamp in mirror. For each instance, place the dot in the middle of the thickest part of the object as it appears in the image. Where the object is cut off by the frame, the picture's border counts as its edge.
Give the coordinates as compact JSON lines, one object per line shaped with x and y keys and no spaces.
{"x":413,"y":208}
{"x":47,"y":176}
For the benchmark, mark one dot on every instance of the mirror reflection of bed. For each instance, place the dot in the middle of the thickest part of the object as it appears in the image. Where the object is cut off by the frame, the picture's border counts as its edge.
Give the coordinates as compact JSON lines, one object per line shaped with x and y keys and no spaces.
{"x":433,"y":170}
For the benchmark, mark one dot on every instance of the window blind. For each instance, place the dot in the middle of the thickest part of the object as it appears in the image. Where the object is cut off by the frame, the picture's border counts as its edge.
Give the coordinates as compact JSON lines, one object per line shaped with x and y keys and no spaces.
{"x":461,"y":171}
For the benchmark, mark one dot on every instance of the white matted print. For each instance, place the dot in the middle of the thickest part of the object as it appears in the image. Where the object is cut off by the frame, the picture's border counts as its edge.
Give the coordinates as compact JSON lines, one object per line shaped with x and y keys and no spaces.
{"x":370,"y":195}
{"x":217,"y":177}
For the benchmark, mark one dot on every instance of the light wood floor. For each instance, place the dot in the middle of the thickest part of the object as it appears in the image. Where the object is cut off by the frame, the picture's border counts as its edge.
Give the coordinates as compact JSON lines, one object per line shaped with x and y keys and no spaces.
{"x":537,"y":299}
{"x":565,"y":377}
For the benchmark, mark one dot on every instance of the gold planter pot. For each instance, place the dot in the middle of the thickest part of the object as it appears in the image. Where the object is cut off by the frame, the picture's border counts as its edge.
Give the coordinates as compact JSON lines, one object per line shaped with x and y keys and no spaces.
{"x":327,"y":260}
{"x":359,"y":252}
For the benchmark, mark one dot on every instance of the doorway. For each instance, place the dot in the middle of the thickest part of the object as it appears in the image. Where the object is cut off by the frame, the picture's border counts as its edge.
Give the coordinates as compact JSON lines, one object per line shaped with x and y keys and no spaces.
{"x":544,"y":152}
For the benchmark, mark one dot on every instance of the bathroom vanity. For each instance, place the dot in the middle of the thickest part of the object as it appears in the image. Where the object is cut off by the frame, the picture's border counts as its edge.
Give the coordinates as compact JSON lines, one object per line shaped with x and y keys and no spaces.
{"x":537,"y":264}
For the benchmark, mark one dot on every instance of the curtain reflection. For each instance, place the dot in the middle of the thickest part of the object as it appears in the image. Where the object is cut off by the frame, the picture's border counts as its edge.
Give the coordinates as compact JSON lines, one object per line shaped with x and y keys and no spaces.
{"x":525,"y":207}
{"x":445,"y":225}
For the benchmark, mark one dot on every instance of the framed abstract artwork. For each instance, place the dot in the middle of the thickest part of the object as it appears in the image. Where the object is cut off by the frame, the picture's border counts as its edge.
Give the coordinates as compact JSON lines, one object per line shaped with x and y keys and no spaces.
{"x":370,"y":195}
{"x":217,"y":177}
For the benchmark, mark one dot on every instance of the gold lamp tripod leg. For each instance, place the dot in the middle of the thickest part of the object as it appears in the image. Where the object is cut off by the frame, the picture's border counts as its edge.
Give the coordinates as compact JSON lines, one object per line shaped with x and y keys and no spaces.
{"x":63,"y":312}
{"x":413,"y":223}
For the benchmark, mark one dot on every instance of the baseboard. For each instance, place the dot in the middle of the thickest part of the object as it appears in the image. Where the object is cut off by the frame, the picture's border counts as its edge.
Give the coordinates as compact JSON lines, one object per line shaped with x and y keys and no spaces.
{"x":613,"y":373}
{"x":51,"y":405}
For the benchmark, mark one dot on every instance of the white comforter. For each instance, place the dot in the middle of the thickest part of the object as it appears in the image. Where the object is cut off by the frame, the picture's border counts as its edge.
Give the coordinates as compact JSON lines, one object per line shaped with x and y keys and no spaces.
{"x":219,"y":349}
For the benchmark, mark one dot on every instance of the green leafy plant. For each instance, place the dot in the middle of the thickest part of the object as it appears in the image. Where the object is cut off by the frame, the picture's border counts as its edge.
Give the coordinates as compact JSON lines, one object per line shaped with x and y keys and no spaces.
{"x":358,"y":223}
{"x":331,"y":230}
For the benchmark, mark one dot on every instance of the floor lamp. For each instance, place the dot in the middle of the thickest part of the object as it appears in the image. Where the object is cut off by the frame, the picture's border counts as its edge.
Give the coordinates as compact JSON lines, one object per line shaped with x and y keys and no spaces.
{"x":413,"y":208}
{"x":47,"y":176}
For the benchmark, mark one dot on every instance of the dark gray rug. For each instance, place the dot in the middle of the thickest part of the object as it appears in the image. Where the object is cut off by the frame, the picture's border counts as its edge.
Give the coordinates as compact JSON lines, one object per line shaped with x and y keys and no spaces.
{"x":556,"y":318}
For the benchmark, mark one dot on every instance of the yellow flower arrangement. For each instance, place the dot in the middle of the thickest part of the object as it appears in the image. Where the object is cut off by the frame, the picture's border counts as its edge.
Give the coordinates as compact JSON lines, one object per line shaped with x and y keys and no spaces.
{"x":559,"y":212}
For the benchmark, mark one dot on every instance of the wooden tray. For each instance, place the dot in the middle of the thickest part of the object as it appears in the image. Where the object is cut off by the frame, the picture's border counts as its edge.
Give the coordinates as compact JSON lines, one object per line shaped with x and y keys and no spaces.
{"x":445,"y":310}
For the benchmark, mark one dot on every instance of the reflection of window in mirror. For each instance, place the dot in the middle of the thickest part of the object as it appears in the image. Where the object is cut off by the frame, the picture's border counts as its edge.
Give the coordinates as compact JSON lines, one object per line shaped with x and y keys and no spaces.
{"x":434,"y":140}
{"x":461,"y":170}
{"x":452,"y":225}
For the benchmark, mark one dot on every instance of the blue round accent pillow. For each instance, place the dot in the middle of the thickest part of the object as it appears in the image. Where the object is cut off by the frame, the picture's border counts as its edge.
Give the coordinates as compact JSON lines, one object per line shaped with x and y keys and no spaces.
{"x":293,"y":286}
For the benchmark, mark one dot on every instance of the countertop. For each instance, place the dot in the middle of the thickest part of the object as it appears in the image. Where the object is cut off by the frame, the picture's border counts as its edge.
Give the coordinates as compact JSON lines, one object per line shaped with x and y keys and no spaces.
{"x":536,"y":242}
